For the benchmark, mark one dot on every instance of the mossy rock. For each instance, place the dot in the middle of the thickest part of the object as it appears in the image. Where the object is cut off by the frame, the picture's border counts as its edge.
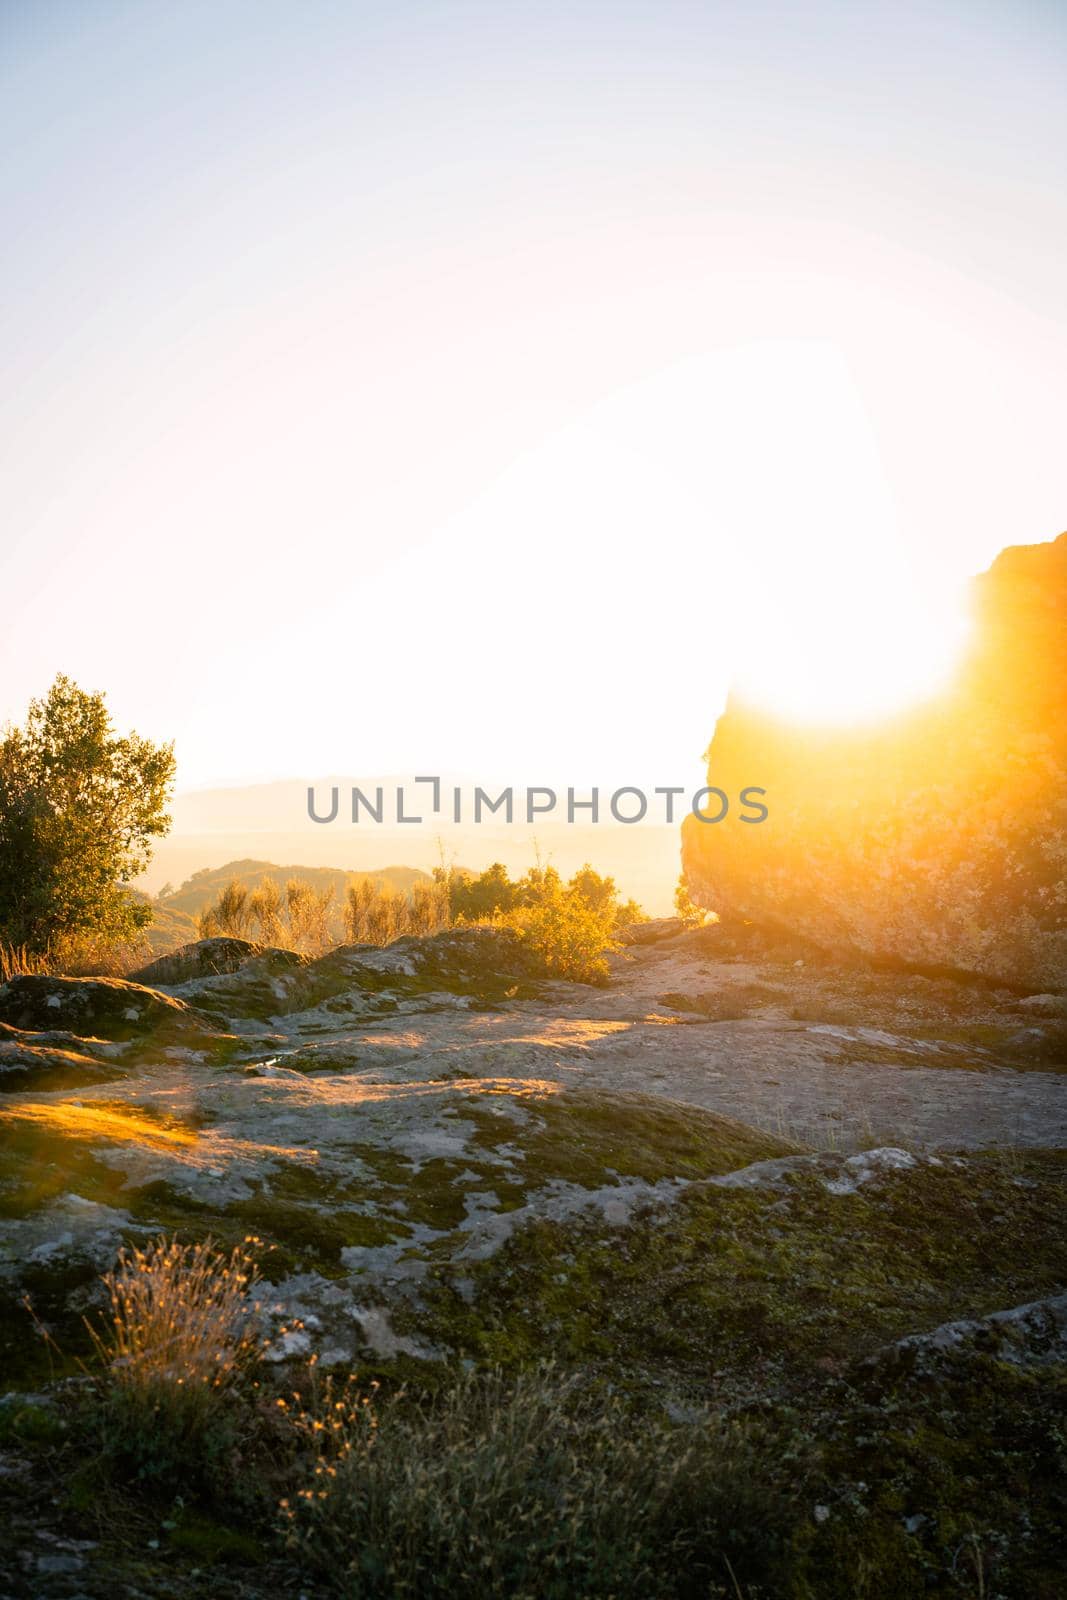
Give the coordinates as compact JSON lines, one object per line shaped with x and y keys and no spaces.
{"x":102,"y":1008}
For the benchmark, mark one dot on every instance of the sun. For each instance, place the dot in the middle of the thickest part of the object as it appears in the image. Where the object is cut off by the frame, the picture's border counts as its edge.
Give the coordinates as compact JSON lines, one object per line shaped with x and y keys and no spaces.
{"x":853,"y":645}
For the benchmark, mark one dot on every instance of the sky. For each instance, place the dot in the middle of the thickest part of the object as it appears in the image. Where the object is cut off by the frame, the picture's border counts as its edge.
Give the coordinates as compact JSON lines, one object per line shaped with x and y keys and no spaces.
{"x":484,"y":387}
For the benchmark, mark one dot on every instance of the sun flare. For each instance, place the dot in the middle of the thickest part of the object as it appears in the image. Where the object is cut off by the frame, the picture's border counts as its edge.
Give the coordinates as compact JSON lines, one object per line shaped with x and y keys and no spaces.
{"x":854,"y":648}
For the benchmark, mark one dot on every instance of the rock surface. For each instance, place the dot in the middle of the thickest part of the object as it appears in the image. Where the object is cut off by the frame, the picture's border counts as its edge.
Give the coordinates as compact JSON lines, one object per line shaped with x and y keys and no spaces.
{"x":380,"y":1115}
{"x":937,"y":840}
{"x":102,"y":1008}
{"x":735,"y":1177}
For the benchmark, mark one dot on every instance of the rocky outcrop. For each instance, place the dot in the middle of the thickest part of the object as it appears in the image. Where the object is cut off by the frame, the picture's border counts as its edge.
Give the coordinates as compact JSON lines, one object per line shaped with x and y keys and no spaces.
{"x":206,"y":958}
{"x":470,"y":965}
{"x":97,"y":1008}
{"x":939,"y":839}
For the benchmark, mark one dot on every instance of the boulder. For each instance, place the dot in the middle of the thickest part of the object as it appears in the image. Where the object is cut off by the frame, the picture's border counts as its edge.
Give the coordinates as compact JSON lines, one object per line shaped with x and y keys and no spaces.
{"x":208,"y":958}
{"x":937,"y":839}
{"x":100,"y":1008}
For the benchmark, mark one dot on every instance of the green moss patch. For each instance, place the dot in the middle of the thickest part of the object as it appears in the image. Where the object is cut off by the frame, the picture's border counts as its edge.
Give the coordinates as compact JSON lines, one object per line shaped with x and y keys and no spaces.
{"x":585,"y":1139}
{"x":764,"y":1286}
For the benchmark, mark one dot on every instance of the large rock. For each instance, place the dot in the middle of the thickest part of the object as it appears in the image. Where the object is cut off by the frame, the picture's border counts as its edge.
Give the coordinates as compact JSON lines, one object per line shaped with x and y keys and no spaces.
{"x":209,"y":958}
{"x":938,"y":839}
{"x":100,"y":1008}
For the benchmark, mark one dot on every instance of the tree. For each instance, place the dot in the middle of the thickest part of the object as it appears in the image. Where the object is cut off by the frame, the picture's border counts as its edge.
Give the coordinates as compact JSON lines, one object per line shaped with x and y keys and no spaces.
{"x":490,"y":894}
{"x":79,"y":809}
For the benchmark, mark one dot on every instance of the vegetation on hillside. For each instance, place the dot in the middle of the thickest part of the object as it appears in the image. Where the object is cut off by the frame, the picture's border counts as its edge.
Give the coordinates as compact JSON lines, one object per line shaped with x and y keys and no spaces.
{"x":567,"y":927}
{"x":297,"y":917}
{"x":203,"y":887}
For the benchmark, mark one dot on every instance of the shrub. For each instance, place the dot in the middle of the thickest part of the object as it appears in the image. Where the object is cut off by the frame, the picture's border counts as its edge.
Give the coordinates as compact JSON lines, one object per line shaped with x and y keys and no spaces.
{"x":524,"y":1489}
{"x":179,"y":1342}
{"x":477,"y":899}
{"x":569,"y":938}
{"x":231,"y":914}
{"x":691,"y":914}
{"x":569,"y":928}
{"x":307,"y":912}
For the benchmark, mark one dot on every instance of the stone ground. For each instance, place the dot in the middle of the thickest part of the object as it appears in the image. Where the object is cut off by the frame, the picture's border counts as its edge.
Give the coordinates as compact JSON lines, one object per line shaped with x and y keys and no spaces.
{"x":389,"y":1121}
{"x":428,"y":1098}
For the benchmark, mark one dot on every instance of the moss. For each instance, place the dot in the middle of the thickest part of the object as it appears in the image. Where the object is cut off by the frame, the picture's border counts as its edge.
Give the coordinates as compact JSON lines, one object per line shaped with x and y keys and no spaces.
{"x":759,"y":1285}
{"x":209,"y":1542}
{"x":295,"y":1237}
{"x":23,"y":1421}
{"x":37,"y":1168}
{"x":584,"y":1139}
{"x":955,"y":1482}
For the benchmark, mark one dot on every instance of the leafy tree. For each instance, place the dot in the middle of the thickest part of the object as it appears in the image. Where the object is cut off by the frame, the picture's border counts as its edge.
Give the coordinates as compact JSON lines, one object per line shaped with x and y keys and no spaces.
{"x":475,"y":899}
{"x":79,"y":809}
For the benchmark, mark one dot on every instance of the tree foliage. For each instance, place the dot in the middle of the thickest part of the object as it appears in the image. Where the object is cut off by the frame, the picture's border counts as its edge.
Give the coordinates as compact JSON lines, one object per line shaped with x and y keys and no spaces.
{"x":79,"y":809}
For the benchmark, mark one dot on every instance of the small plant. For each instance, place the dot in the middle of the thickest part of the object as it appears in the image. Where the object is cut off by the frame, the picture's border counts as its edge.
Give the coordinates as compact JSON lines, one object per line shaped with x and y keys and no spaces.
{"x":180,"y":1341}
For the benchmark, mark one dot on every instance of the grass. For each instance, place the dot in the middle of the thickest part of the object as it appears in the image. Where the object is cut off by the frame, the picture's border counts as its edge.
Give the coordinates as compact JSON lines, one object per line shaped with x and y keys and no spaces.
{"x":178,"y":1341}
{"x":80,"y":958}
{"x":529,"y":1489}
{"x":768,"y":1318}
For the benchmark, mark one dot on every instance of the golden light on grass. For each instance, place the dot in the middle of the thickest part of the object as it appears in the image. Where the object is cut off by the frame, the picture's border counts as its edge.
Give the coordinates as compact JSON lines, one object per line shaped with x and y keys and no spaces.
{"x":68,"y":1119}
{"x":181,"y":1314}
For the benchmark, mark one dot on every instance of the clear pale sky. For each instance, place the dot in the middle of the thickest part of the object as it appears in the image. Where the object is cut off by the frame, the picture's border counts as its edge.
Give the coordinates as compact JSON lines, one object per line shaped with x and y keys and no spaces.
{"x":476,"y":387}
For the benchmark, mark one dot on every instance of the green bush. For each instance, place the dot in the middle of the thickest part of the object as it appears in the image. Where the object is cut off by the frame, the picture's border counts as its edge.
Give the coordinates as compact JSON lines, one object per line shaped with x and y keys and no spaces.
{"x":569,"y":928}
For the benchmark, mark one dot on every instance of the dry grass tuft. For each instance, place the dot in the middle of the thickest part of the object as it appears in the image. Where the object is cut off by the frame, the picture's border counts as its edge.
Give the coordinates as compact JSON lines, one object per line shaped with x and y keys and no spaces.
{"x":179,"y":1344}
{"x":83,"y":957}
{"x":18,"y":962}
{"x":180,"y":1314}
